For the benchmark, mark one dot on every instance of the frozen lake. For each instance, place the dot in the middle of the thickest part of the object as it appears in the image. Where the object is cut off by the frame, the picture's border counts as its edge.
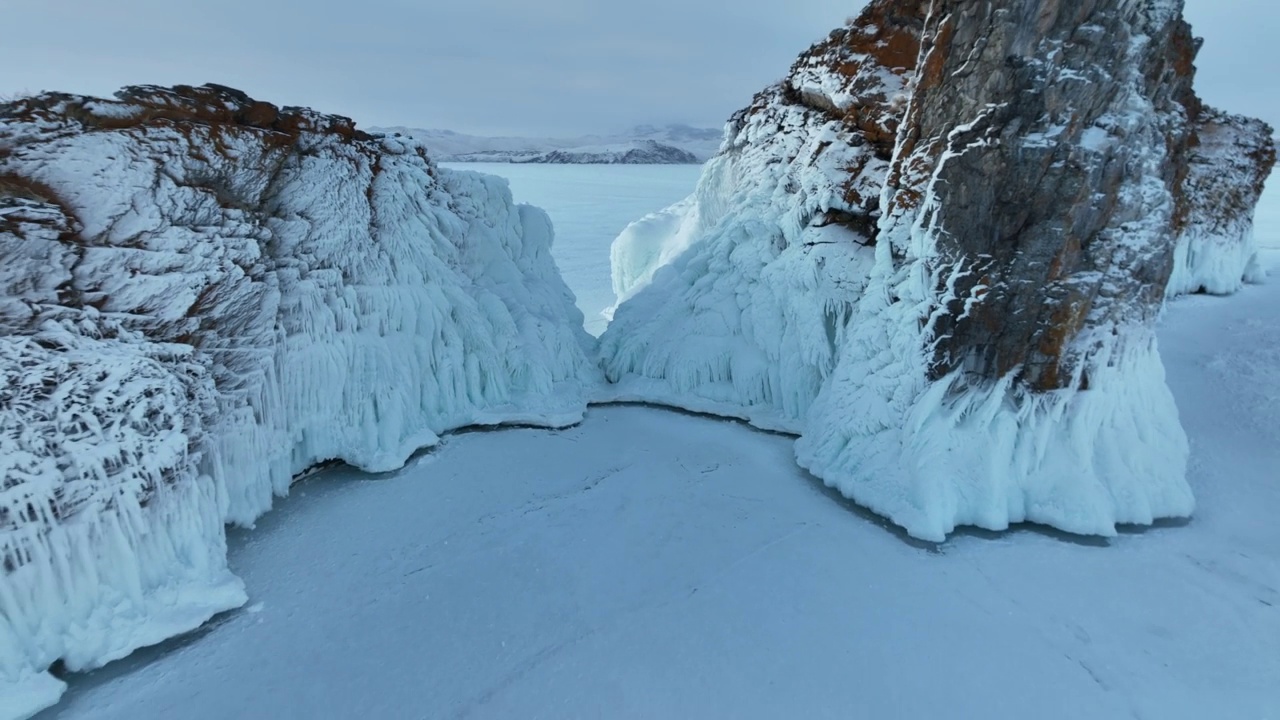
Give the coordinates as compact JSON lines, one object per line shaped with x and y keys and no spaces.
{"x":590,"y":205}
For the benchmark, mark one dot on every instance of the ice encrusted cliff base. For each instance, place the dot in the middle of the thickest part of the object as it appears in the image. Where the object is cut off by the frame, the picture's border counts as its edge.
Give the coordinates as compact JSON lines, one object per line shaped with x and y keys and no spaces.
{"x":202,"y":295}
{"x":936,"y":252}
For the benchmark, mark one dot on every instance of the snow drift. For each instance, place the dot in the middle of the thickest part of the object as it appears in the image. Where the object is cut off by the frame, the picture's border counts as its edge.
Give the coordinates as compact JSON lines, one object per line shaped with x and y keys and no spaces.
{"x":202,"y":295}
{"x":936,"y":252}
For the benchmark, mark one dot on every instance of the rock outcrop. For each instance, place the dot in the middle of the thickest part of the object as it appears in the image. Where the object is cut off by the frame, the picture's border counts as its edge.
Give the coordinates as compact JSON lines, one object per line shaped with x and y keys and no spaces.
{"x":936,"y":251}
{"x":202,"y":295}
{"x":1228,"y":161}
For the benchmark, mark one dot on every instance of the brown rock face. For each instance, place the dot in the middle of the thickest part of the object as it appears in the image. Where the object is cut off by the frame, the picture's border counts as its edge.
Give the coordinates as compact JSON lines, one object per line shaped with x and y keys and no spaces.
{"x":884,"y":39}
{"x":1036,"y":226}
{"x":1050,"y":149}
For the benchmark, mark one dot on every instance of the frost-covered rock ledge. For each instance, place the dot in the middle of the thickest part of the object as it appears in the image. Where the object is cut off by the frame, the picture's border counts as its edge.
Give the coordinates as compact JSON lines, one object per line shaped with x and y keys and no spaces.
{"x":202,"y":295}
{"x":936,"y":252}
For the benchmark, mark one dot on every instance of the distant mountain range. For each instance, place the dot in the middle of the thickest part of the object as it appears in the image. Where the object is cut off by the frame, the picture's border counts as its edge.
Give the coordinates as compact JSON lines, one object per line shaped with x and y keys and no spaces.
{"x":669,"y":144}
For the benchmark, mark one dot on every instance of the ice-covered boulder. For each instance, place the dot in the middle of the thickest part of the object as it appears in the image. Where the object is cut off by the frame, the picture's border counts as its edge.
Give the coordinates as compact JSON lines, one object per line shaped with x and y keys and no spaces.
{"x":202,"y":295}
{"x":936,"y":252}
{"x":1228,"y":161}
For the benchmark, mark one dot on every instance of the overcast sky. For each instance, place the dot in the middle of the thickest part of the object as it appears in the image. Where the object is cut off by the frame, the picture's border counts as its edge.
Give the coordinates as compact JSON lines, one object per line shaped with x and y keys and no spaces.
{"x":524,"y":67}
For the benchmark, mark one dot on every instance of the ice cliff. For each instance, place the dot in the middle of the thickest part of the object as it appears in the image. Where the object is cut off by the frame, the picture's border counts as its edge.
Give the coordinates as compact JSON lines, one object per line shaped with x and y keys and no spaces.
{"x":936,"y":251}
{"x":202,"y":295}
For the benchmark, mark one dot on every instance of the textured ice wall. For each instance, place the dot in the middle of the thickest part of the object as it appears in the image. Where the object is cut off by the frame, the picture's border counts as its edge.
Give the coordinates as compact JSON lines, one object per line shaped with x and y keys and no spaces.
{"x":204,"y":295}
{"x":735,"y":301}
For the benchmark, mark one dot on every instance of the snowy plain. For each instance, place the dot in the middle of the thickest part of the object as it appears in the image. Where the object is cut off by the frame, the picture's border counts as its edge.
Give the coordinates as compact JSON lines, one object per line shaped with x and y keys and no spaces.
{"x":648,"y":563}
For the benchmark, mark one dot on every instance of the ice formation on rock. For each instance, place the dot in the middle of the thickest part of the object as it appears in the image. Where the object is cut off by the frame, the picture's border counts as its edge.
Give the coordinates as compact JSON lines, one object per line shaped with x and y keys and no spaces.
{"x":936,"y":252}
{"x":780,"y":237}
{"x":1229,"y":159}
{"x":202,"y":295}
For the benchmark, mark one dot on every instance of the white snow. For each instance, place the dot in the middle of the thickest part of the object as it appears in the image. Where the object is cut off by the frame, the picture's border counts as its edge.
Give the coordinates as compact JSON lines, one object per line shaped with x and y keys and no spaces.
{"x":1096,"y":139}
{"x":649,"y":564}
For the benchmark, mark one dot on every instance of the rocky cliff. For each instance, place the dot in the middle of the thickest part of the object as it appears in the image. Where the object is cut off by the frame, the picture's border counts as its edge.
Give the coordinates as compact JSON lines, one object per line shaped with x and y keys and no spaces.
{"x":936,"y":251}
{"x":202,"y":295}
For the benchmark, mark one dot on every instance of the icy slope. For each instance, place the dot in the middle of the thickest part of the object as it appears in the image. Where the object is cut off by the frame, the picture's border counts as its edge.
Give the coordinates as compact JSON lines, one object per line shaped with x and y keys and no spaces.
{"x":937,"y":251}
{"x":203,"y":296}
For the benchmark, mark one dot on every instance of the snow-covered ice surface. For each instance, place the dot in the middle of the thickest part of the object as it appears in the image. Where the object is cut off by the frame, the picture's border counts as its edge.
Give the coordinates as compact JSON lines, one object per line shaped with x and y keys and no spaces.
{"x":589,"y":206}
{"x":653,"y":564}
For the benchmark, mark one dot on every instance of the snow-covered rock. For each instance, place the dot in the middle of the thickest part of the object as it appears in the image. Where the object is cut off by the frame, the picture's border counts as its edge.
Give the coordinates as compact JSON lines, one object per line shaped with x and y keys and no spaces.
{"x":936,"y":252}
{"x":202,"y":295}
{"x":1228,"y":162}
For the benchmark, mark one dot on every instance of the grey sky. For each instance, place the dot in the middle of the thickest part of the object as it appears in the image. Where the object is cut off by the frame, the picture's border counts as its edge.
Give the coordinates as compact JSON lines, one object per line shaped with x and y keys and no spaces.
{"x":505,"y":66}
